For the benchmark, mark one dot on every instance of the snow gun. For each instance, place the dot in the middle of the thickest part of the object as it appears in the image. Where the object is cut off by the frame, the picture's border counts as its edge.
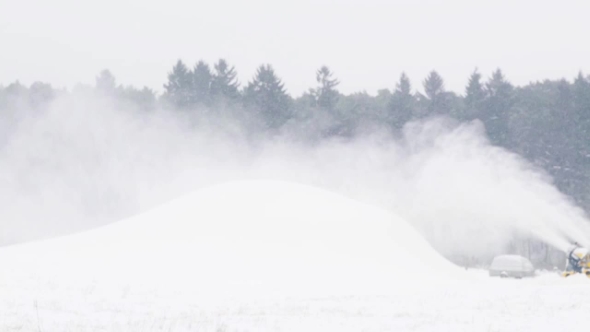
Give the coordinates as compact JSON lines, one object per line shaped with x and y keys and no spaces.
{"x":578,"y":261}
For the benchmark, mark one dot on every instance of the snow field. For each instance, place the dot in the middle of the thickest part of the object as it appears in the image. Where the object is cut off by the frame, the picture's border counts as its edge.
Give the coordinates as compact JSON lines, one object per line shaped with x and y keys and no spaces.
{"x":267,"y":256}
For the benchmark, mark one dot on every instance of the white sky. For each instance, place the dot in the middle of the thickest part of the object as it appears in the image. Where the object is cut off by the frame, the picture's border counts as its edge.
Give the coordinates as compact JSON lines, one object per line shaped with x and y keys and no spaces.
{"x":367,"y":43}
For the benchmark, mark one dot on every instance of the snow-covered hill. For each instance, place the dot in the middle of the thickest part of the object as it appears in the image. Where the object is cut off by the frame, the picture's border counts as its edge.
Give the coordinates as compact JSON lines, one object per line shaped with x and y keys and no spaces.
{"x":269,"y":236}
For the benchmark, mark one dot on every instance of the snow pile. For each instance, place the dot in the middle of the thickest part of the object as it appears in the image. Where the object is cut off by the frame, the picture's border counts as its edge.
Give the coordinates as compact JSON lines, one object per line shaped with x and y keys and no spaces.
{"x":249,"y":237}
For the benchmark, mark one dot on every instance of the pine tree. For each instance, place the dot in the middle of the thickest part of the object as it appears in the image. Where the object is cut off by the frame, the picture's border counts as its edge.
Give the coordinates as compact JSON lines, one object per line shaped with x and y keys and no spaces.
{"x":581,"y":105}
{"x":326,"y":94}
{"x":559,"y":131}
{"x":434,"y":89}
{"x":266,"y":96}
{"x":179,"y":87}
{"x":499,"y":103}
{"x":224,"y":85}
{"x":202,"y":78}
{"x":401,"y":105}
{"x":474,"y":97}
{"x":581,"y":96}
{"x":433,"y":85}
{"x":106,"y":83}
{"x":404,"y":86}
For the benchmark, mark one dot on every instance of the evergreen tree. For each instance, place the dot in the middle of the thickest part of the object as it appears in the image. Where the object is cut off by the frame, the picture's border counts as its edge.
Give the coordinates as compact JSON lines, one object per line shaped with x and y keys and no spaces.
{"x":179,"y":87}
{"x":499,"y":102}
{"x":266,"y":96}
{"x":402,"y":103}
{"x":434,"y":89}
{"x":404,"y":87}
{"x":558,"y":133}
{"x":581,"y":106}
{"x":202,"y":78}
{"x":581,"y":103}
{"x":106,"y":83}
{"x":326,"y":94}
{"x":224,"y":85}
{"x":474,"y":97}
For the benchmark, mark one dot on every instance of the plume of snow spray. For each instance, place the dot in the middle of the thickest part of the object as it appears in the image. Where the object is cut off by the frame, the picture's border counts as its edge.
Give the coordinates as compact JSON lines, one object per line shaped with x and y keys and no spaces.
{"x":87,"y":161}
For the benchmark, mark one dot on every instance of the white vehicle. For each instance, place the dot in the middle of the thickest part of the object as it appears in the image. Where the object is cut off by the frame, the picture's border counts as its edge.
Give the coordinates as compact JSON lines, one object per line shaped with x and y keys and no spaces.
{"x":511,"y":266}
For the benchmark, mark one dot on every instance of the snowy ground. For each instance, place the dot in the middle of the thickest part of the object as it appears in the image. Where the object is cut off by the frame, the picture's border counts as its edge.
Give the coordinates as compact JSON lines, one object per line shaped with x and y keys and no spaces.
{"x":282,"y":258}
{"x":545,"y":304}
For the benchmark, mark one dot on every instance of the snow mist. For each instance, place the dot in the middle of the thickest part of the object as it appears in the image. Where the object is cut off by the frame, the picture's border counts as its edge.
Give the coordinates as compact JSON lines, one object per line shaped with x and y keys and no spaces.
{"x":87,"y":161}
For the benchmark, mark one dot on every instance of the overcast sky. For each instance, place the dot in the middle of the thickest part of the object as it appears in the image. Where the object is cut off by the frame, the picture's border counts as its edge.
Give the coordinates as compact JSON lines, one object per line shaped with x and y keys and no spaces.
{"x":367,"y":43}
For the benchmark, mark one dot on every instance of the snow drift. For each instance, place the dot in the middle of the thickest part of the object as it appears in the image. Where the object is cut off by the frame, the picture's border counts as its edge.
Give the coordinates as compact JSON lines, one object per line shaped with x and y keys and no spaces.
{"x":248,"y":237}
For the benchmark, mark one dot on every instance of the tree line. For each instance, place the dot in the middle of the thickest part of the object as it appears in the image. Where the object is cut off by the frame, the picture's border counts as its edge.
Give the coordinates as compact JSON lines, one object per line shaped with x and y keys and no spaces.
{"x":546,"y":122}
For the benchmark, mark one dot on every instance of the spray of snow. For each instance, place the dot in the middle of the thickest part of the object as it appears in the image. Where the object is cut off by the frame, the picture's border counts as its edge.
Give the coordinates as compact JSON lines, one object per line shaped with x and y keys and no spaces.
{"x":87,"y":162}
{"x":465,"y":196}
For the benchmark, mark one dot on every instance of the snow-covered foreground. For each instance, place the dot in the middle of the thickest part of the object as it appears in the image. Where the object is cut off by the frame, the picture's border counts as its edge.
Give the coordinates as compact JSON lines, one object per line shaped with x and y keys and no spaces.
{"x":491,"y":305}
{"x":267,"y":256}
